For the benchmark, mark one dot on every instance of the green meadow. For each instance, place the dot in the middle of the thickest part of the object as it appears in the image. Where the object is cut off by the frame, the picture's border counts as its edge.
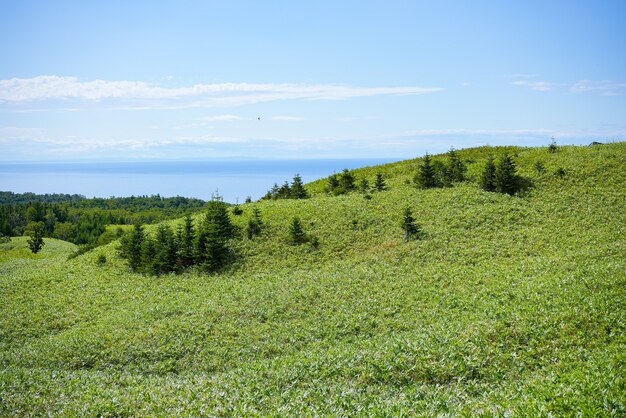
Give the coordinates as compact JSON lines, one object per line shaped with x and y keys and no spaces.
{"x":506,"y":306}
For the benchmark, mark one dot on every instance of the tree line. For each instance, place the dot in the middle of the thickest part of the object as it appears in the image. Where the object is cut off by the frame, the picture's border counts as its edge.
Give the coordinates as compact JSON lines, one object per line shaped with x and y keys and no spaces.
{"x":85,"y":221}
{"x":10,"y":198}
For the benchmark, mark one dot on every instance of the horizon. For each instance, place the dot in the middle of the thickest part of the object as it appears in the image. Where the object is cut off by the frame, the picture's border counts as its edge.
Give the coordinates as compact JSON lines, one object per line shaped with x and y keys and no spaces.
{"x":239,"y":80}
{"x":233,"y":180}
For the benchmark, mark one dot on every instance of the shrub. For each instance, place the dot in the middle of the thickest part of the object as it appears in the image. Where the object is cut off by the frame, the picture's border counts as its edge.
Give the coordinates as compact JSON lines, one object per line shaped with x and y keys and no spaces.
{"x":552,"y":148}
{"x":560,"y":172}
{"x":255,"y":224}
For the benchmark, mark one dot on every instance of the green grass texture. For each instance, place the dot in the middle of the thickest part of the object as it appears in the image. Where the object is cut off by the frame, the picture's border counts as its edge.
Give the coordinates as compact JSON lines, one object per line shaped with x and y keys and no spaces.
{"x":506,"y":306}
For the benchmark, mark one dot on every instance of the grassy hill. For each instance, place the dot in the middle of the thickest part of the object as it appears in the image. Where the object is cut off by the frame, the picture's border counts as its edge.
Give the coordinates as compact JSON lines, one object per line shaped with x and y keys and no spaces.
{"x":508,"y":305}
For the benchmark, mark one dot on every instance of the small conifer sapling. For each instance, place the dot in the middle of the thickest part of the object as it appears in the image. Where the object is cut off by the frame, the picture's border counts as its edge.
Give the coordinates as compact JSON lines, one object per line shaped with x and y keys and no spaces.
{"x":409,"y":226}
{"x":380,"y":184}
{"x":296,"y":233}
{"x":36,"y":231}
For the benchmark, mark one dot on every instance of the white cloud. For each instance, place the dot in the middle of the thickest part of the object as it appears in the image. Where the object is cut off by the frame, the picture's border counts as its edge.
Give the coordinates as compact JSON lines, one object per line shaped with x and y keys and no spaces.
{"x":534,"y":85}
{"x":605,"y":87}
{"x":289,"y":118}
{"x":30,"y":142}
{"x":51,"y":87}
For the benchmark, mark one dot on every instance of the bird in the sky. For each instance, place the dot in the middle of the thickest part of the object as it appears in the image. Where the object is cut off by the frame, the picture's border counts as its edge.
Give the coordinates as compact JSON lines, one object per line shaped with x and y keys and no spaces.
{"x":259,"y":118}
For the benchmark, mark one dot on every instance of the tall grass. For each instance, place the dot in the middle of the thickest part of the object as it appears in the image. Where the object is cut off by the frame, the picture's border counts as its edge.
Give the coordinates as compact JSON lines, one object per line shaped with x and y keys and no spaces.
{"x":507,"y":305}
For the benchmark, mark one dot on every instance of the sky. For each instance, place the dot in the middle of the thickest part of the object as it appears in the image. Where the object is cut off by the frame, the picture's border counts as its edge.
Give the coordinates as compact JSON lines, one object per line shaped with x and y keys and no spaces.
{"x":186,"y":80}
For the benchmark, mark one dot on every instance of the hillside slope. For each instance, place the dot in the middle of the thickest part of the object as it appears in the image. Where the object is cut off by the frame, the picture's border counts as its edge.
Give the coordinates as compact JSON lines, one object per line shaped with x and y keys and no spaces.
{"x":507,"y":305}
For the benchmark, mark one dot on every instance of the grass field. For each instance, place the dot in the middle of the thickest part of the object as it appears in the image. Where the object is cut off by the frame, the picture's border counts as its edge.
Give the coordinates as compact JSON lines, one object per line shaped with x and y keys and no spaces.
{"x":507,"y":306}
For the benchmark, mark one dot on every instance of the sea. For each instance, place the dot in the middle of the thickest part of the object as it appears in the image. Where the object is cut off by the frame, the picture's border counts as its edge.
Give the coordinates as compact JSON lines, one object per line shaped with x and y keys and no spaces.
{"x":232,"y":180}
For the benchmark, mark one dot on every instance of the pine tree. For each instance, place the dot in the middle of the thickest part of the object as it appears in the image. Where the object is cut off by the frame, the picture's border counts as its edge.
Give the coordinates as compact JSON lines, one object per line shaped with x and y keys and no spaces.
{"x":131,"y":246}
{"x":297,"y":188}
{"x":200,"y":247}
{"x":425,"y":177}
{"x":216,"y":249}
{"x":296,"y":233}
{"x":211,"y":250}
{"x":506,"y":180}
{"x":186,"y":242}
{"x":488,"y":177}
{"x":217,"y":213}
{"x":284,"y":192}
{"x":36,"y":232}
{"x":273,"y":193}
{"x":148,"y":251}
{"x":442,"y":174}
{"x":380,"y":184}
{"x":410,"y":228}
{"x":164,"y":250}
{"x":456,"y":167}
{"x":347,"y":181}
{"x":255,"y":224}
{"x":333,"y":184}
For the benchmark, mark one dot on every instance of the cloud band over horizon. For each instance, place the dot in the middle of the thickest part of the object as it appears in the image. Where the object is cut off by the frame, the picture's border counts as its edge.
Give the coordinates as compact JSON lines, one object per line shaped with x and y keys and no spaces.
{"x":52,"y":87}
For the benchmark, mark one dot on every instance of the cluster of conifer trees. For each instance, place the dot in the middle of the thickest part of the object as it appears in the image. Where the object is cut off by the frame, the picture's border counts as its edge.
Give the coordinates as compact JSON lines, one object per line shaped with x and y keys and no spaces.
{"x":501,"y":176}
{"x":346,"y":182}
{"x":431,"y":174}
{"x":205,"y":245}
{"x":497,"y":176}
{"x":294,"y":191}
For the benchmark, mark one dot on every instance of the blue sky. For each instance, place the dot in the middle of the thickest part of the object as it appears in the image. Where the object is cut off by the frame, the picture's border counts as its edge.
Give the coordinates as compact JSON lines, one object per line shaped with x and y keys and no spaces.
{"x":120,"y":80}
